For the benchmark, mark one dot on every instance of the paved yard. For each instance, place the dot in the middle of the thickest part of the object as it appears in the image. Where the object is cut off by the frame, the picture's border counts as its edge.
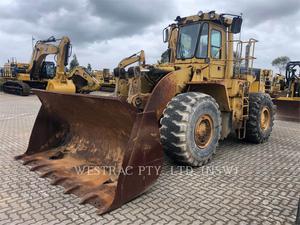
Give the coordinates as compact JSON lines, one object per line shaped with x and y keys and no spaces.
{"x":244,"y":184}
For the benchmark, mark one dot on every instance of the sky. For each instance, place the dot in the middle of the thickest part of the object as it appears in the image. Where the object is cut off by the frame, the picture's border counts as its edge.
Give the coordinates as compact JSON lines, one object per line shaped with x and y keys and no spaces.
{"x":103,"y":32}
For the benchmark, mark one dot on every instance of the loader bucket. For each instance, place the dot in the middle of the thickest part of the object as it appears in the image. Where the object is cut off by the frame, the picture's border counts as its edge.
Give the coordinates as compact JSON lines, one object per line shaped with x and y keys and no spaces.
{"x":287,"y":109}
{"x":98,"y":148}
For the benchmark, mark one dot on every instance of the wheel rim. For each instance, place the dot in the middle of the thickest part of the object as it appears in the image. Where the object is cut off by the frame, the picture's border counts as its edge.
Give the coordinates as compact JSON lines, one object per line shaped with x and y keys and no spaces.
{"x":204,"y":130}
{"x":265,"y":118}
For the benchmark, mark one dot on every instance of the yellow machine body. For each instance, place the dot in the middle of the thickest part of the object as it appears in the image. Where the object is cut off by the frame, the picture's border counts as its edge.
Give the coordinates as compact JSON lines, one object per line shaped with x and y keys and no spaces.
{"x":21,"y":77}
{"x":184,"y":105}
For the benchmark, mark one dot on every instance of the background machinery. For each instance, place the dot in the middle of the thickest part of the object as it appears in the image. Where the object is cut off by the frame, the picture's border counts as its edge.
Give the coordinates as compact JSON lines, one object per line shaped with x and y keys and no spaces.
{"x":286,"y":92}
{"x":108,"y":150}
{"x":84,"y":80}
{"x":263,"y":80}
{"x":39,"y":73}
{"x":89,"y":81}
{"x":109,"y":81}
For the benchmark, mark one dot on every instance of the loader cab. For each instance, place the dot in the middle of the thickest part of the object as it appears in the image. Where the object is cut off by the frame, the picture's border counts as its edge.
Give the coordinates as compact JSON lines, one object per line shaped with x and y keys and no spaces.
{"x":203,"y":40}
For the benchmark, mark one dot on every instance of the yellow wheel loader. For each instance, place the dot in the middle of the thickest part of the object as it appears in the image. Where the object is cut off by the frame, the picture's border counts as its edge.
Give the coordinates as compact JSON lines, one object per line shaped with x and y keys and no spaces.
{"x":286,"y":92}
{"x":38,"y":73}
{"x":109,"y":150}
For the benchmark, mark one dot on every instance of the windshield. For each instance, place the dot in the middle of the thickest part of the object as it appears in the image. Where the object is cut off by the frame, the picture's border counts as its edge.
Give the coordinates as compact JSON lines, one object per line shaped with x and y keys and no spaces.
{"x":50,"y":69}
{"x":188,"y":36}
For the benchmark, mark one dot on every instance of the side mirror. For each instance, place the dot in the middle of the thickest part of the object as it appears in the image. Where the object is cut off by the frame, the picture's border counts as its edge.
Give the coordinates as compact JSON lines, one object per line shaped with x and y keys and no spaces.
{"x":166,"y":35}
{"x":236,"y":25}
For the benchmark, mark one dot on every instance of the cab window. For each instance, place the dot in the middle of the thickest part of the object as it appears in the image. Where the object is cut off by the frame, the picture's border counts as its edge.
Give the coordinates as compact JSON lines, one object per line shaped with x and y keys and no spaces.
{"x":216,"y":44}
{"x":187,"y":41}
{"x":203,"y":42}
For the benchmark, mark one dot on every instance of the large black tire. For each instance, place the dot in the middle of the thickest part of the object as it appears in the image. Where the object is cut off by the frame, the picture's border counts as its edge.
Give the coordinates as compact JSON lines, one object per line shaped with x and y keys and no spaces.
{"x":260,"y":105}
{"x":181,"y":119}
{"x":298,"y":214}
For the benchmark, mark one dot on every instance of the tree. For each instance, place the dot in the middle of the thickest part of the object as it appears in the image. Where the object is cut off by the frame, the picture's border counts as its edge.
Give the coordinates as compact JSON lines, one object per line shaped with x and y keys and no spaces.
{"x":89,"y":67}
{"x":74,"y":62}
{"x":280,"y":63}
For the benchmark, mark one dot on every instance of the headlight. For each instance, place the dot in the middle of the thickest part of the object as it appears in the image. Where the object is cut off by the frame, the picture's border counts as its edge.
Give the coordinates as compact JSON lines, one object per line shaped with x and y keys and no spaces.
{"x":212,"y":14}
{"x":200,"y":13}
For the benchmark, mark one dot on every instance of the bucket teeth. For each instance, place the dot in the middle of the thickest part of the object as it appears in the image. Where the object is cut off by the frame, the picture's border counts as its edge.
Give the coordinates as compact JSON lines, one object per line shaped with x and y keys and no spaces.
{"x":71,"y":189}
{"x":88,"y":197}
{"x":26,"y":162}
{"x":58,"y":180}
{"x":18,"y":157}
{"x":34,"y":168}
{"x":47,"y":173}
{"x":101,"y":210}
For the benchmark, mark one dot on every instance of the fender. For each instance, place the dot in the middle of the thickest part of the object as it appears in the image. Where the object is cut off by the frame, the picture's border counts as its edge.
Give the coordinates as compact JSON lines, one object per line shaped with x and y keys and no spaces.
{"x":168,"y":87}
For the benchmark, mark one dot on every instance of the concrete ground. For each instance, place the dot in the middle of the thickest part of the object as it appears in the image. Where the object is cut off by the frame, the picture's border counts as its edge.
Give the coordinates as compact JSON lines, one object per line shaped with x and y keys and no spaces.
{"x":244,"y":184}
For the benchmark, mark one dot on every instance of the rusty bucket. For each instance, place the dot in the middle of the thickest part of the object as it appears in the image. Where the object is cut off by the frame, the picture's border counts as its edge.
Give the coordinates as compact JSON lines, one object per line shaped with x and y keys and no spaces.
{"x":98,"y":148}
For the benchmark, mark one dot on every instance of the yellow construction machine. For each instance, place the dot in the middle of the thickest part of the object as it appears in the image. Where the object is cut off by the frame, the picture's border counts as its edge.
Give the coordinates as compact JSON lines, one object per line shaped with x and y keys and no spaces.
{"x":286,"y":92}
{"x":108,"y":80}
{"x":108,"y":150}
{"x":38,"y":73}
{"x":89,"y":81}
{"x":263,"y":81}
{"x":84,"y":80}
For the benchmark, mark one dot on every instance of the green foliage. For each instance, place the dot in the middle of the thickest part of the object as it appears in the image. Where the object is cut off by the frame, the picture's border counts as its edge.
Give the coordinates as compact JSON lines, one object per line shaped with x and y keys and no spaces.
{"x":280,"y":63}
{"x":74,"y":62}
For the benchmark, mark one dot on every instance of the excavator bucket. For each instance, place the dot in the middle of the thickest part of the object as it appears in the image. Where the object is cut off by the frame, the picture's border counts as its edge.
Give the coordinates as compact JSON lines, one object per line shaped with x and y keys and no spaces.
{"x":98,"y":148}
{"x":287,"y":109}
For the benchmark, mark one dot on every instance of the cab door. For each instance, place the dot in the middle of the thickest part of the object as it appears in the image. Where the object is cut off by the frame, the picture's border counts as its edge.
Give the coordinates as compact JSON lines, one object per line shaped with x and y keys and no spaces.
{"x":217,"y":51}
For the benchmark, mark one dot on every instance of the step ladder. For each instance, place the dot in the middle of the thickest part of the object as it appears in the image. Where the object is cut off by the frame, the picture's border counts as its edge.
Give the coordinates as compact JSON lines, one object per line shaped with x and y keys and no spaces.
{"x":241,"y":132}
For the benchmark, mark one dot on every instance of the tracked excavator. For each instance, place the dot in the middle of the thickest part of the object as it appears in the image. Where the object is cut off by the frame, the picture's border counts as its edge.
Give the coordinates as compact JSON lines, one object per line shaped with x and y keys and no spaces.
{"x":39,"y":73}
{"x":109,"y":150}
{"x":286,"y":92}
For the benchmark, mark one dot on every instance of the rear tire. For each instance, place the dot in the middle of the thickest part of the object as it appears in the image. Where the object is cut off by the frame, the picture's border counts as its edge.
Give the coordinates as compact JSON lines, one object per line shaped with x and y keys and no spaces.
{"x":261,"y":118}
{"x":298,"y":214}
{"x":190,"y":128}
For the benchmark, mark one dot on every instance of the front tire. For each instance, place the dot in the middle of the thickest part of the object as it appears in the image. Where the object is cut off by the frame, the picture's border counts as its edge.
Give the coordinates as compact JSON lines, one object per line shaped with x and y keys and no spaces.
{"x":190,"y":128}
{"x":261,"y":118}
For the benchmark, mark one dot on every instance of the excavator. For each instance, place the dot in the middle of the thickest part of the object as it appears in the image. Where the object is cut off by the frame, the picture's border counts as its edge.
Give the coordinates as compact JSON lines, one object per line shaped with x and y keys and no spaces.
{"x":286,"y":92}
{"x":84,"y":80}
{"x":38,"y":73}
{"x":108,"y":150}
{"x":89,"y":81}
